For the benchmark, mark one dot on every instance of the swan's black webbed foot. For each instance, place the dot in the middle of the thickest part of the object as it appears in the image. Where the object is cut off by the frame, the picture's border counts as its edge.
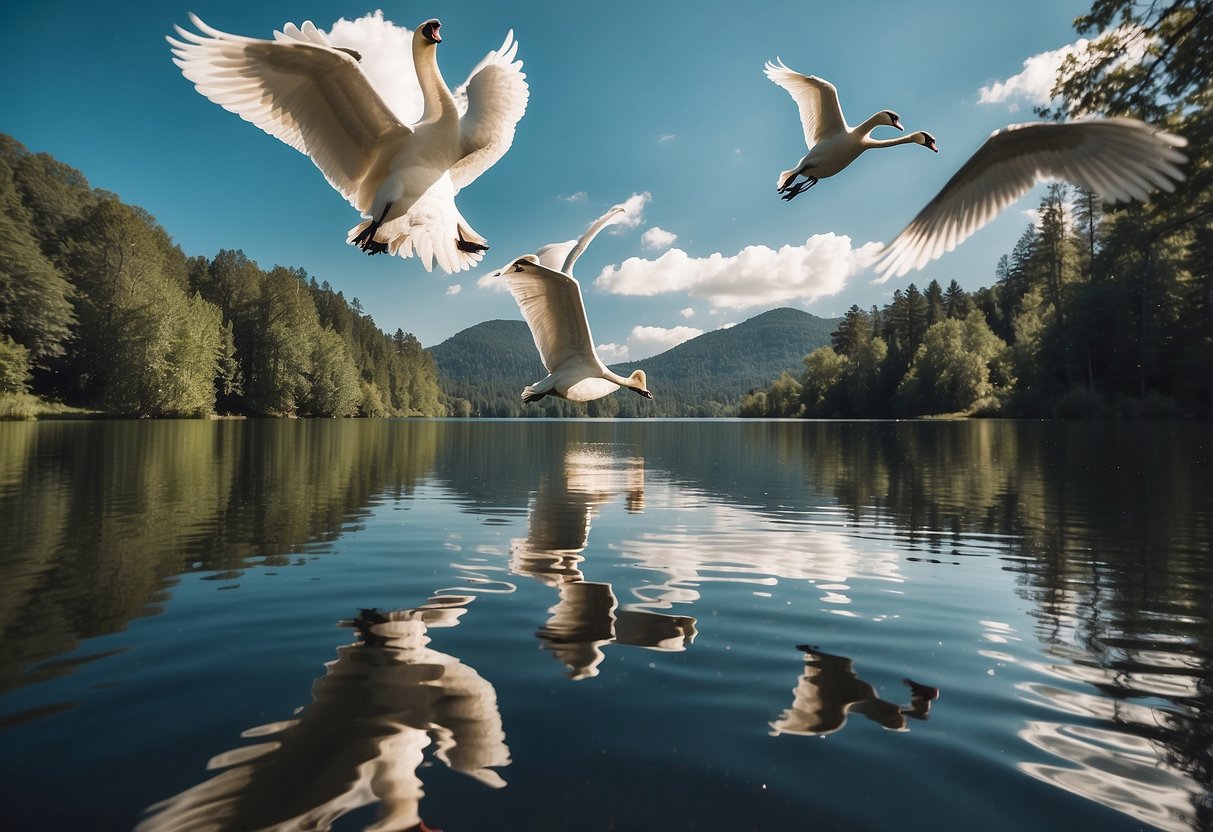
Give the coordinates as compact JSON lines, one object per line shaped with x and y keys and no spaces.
{"x":790,"y":192}
{"x":366,"y":238}
{"x":527,"y":398}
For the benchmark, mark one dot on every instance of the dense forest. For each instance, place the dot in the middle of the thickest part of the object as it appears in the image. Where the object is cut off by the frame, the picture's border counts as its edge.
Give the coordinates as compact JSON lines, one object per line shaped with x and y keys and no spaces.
{"x":100,"y":309}
{"x":1098,"y":310}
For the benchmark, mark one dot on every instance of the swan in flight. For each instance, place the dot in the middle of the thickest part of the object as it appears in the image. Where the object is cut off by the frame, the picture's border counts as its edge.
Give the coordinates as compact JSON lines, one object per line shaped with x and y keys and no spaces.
{"x":832,"y":143}
{"x":550,"y":299}
{"x":1118,"y":158}
{"x":316,"y":97}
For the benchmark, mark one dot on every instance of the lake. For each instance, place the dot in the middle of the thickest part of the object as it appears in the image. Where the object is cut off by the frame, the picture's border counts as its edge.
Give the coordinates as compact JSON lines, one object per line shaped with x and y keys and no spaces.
{"x":606,"y":625}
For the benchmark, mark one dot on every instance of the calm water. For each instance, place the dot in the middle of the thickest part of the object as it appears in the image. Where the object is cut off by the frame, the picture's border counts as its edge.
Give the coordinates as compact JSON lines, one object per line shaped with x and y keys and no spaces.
{"x":605,"y":625}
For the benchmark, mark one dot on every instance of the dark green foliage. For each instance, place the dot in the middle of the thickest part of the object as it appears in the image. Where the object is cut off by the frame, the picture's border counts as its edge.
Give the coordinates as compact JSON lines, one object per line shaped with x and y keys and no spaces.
{"x":14,"y":366}
{"x":35,"y":297}
{"x":97,"y":299}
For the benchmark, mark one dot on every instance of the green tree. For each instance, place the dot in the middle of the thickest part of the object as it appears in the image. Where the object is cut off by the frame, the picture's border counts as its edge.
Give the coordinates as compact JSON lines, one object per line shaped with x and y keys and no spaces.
{"x":934,"y":300}
{"x":952,"y":368}
{"x":854,"y":328}
{"x":35,"y":298}
{"x":333,"y":387}
{"x":956,"y":302}
{"x":14,"y":366}
{"x":820,"y":389}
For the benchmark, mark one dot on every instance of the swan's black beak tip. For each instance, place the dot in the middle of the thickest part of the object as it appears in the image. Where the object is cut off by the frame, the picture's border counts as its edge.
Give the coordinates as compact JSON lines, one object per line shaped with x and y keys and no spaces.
{"x":646,"y":394}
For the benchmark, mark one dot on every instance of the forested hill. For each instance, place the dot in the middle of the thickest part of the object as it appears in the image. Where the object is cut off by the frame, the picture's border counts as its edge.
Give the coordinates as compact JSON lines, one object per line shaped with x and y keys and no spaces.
{"x":487,"y":365}
{"x":718,"y":367}
{"x":99,"y":308}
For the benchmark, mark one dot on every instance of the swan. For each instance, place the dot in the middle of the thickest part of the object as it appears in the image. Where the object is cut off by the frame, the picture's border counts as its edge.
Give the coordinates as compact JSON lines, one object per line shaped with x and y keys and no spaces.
{"x":314,"y":96}
{"x":550,"y":299}
{"x":832,"y":143}
{"x":1118,"y":158}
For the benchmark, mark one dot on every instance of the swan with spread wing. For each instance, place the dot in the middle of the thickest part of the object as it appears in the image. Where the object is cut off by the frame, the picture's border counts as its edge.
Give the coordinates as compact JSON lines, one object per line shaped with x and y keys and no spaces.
{"x":403,"y":178}
{"x":550,"y":299}
{"x":833,"y":144}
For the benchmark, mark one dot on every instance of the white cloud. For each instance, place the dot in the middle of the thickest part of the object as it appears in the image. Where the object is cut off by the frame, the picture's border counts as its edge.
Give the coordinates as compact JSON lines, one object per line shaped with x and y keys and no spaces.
{"x":491,"y":281}
{"x":633,"y":210}
{"x":580,"y":196}
{"x":689,"y":312}
{"x":727,"y":326}
{"x":387,"y":59}
{"x":1034,"y":85}
{"x":755,"y":276}
{"x":657,"y":238}
{"x":666,"y":137}
{"x":646,"y":341}
{"x":612,"y":353}
{"x":454,"y":288}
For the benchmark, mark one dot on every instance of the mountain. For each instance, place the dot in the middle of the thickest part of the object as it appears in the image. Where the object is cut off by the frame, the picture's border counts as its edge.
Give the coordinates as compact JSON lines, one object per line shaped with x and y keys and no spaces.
{"x":722,"y":365}
{"x":488,"y":364}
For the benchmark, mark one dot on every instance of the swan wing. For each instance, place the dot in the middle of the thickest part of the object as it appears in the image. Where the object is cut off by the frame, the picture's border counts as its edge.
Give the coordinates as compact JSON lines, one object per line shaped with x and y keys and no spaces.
{"x":1118,"y":158}
{"x":817,"y":99}
{"x":552,"y":306}
{"x":431,"y":229}
{"x":298,"y":88}
{"x":491,"y":103}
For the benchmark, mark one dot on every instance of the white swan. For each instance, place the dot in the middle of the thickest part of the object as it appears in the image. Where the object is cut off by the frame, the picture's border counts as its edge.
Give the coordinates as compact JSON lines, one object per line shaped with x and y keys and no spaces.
{"x":832,"y":143}
{"x":550,"y":299}
{"x":1118,"y":158}
{"x":314,"y":96}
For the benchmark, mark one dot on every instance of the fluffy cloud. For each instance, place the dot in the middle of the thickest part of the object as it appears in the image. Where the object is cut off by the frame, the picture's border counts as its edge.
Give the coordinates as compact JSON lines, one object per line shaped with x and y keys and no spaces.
{"x":633,"y":210}
{"x":1034,"y":85}
{"x":580,"y":196}
{"x":657,"y":238}
{"x":755,"y":276}
{"x":689,"y":312}
{"x":612,"y":353}
{"x":666,"y":137}
{"x":454,"y":288}
{"x":645,"y":341}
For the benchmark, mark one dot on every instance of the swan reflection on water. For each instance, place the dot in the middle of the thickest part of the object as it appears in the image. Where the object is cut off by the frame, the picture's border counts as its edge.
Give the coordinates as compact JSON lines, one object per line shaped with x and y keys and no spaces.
{"x":829,"y":690}
{"x":587,"y":616}
{"x":384,"y":700}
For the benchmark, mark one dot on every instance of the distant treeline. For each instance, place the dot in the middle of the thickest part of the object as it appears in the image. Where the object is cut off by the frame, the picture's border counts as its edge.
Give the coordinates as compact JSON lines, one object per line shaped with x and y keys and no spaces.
{"x":1086,"y":317}
{"x":100,"y":309}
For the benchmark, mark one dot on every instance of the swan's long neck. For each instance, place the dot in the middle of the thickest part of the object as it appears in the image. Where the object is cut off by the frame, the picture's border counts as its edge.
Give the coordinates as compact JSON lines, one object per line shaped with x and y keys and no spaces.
{"x":590,"y":233}
{"x":439,"y":103}
{"x":870,"y":142}
{"x":622,"y":381}
{"x":868,"y":126}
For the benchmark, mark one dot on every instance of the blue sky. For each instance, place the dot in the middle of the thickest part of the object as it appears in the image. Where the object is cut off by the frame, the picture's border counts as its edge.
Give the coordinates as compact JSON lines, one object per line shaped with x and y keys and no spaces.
{"x":665,"y":99}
